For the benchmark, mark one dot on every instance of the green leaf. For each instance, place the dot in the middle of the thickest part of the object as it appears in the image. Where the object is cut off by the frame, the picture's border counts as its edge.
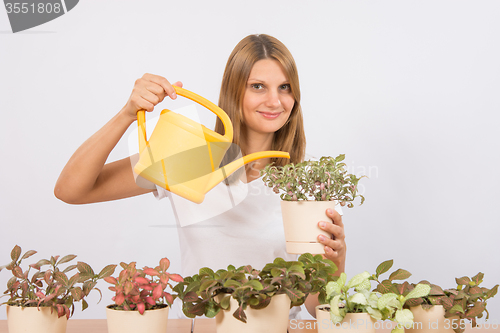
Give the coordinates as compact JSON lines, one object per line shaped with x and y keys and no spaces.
{"x":457,"y":308}
{"x":420,"y":290}
{"x":106,"y":271}
{"x":358,"y":279}
{"x":254,"y":284}
{"x":84,"y":304}
{"x":69,"y":268}
{"x":225,"y":302}
{"x":384,"y":267}
{"x":404,"y":317}
{"x":206,"y":271}
{"x":374,"y":313}
{"x":358,"y":298}
{"x":388,"y":301}
{"x":399,"y":274}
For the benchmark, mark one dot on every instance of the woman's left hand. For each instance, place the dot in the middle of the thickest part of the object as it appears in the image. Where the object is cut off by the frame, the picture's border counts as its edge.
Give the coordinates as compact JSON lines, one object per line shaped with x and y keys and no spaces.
{"x":335,"y":247}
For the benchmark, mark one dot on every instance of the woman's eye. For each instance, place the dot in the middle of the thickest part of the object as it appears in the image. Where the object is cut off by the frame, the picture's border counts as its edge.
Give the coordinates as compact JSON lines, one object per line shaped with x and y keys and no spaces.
{"x":285,"y":87}
{"x":257,"y":86}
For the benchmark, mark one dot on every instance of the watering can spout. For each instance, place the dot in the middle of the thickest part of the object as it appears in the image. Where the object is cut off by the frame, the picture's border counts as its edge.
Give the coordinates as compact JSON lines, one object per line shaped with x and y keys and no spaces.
{"x":222,"y":173}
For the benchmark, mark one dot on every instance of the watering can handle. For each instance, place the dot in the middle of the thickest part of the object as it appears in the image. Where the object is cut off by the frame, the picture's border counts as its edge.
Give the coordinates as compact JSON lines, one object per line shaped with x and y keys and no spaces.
{"x":228,"y":126}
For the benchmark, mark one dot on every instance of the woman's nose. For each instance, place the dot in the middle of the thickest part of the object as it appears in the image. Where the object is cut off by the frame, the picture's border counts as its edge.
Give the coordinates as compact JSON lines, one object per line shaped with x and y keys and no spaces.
{"x":273,"y":99}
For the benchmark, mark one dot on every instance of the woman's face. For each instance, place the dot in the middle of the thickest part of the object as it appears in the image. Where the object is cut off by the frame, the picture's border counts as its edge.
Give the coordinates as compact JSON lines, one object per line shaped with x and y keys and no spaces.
{"x":268,"y":100}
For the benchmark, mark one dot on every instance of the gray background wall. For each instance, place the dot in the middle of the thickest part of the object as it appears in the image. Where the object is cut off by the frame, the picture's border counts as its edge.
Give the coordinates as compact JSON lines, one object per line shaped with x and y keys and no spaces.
{"x":408,"y":90}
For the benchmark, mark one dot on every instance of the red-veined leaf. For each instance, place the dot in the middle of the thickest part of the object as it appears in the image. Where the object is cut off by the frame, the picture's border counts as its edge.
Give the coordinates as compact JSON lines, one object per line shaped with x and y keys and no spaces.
{"x":15,"y":253}
{"x":66,"y":258}
{"x":28,"y":254}
{"x":107,"y":271}
{"x":384,"y":267}
{"x":77,"y":293}
{"x":399,"y":274}
{"x":18,"y":272}
{"x":84,"y":268}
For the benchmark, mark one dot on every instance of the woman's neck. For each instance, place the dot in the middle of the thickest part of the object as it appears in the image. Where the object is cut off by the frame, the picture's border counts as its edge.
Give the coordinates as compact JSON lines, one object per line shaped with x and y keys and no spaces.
{"x":253,"y":143}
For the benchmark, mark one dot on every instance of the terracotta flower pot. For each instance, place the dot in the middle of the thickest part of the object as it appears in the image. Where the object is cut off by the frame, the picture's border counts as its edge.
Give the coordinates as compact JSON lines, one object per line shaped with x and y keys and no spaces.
{"x":152,"y":321}
{"x":431,"y":320}
{"x":30,"y":319}
{"x":353,"y":322}
{"x":300,"y":221}
{"x":271,"y":319}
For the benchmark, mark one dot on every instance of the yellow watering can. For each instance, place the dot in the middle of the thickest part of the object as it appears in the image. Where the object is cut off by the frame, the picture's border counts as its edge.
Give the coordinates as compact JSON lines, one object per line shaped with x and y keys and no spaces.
{"x":183,"y":156}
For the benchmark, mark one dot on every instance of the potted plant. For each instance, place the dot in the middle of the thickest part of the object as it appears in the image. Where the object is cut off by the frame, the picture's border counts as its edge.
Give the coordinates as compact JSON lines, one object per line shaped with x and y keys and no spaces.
{"x":441,"y":310}
{"x":307,"y":190}
{"x":237,"y":296}
{"x":42,"y":296}
{"x":351,"y":306}
{"x":140,"y":297}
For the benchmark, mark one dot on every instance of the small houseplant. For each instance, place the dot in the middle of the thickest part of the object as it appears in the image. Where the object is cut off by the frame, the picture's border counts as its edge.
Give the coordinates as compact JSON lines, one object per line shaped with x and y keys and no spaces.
{"x":236,"y":296}
{"x":307,"y":190}
{"x":45,"y":291}
{"x":140,"y":297}
{"x":441,"y":310}
{"x":353,"y":302}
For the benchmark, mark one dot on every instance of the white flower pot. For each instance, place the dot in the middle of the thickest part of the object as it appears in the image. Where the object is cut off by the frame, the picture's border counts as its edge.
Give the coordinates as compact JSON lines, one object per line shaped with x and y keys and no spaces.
{"x":271,"y":319}
{"x":32,"y":320}
{"x":431,"y":320}
{"x":300,"y":221}
{"x":152,"y":321}
{"x":353,"y":322}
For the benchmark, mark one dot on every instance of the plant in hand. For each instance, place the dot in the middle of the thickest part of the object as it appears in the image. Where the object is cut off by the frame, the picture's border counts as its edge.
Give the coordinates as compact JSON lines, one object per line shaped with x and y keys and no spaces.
{"x":142,"y":289}
{"x":208,"y":292}
{"x":50,"y":285}
{"x":323,"y":180}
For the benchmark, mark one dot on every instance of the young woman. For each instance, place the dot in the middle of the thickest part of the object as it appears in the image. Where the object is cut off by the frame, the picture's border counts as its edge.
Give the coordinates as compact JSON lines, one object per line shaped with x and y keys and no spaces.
{"x":260,"y":93}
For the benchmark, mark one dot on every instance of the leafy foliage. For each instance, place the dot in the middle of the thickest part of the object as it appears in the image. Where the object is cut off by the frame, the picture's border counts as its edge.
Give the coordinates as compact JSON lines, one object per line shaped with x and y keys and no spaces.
{"x":134,"y":290}
{"x":467,"y":301}
{"x":361,"y":300}
{"x":208,"y":292}
{"x":51,"y":287}
{"x":323,"y":180}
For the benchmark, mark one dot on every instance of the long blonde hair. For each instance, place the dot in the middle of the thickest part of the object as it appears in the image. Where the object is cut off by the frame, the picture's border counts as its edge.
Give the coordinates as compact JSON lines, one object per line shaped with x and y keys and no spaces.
{"x":291,"y":137}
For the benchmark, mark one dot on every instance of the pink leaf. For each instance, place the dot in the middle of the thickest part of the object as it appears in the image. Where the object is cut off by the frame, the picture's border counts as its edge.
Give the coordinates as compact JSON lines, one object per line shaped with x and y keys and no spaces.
{"x":169,"y":298}
{"x":111,"y":280}
{"x":164,"y":264}
{"x":150,"y":271}
{"x":141,"y":307}
{"x":176,"y":278}
{"x":157,"y":292}
{"x":119,"y":299}
{"x":150,"y":300}
{"x":142,"y":280}
{"x":164,"y":278}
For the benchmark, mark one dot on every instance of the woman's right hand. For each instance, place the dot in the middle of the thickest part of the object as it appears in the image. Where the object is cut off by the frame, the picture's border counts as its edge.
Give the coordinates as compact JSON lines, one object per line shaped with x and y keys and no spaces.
{"x":148,"y":91}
